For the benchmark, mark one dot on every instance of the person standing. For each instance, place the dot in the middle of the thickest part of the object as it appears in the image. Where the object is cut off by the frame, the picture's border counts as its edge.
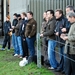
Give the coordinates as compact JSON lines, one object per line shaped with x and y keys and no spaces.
{"x":44,"y":39}
{"x":6,"y":29}
{"x":14,"y":23}
{"x":23,"y":38}
{"x":30,"y":34}
{"x":70,"y":45}
{"x":61,"y":22}
{"x":18,"y":42}
{"x":69,"y":8}
{"x":49,"y":33}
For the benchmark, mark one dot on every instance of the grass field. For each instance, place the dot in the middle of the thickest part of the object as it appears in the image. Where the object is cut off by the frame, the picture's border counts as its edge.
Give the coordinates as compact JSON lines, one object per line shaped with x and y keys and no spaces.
{"x":9,"y":65}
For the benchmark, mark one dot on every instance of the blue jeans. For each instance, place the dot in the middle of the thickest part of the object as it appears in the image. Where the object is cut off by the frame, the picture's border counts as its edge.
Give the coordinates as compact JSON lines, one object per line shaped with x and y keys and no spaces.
{"x":51,"y":54}
{"x":13,"y":42}
{"x":19,"y":45}
{"x":31,"y":48}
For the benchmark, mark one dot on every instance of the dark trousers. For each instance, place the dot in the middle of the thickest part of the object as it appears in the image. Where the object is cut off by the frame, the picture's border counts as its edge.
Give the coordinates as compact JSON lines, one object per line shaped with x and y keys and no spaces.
{"x":61,"y":64}
{"x":6,"y":40}
{"x":69,"y":64}
{"x":24,"y":47}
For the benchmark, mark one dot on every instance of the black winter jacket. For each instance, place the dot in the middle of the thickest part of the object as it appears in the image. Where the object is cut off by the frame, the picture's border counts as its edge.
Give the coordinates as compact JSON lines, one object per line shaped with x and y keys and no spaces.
{"x":6,"y":27}
{"x":14,"y":23}
{"x":62,"y":22}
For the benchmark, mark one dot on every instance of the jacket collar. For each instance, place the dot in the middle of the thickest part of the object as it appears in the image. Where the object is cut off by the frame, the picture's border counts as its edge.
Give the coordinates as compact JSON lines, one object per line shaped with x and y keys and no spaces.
{"x":60,"y":18}
{"x":53,"y":18}
{"x":72,"y":23}
{"x":30,"y":19}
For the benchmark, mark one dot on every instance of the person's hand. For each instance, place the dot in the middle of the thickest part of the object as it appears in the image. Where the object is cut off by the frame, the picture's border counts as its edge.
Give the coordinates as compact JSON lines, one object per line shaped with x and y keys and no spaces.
{"x":63,"y":29}
{"x":29,"y":37}
{"x":57,"y":33}
{"x":64,"y":37}
{"x":13,"y":27}
{"x":41,"y":35}
{"x":23,"y":39}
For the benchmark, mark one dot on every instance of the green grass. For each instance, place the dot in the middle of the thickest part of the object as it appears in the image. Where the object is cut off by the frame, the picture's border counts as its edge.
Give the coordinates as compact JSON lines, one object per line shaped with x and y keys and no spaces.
{"x":9,"y":65}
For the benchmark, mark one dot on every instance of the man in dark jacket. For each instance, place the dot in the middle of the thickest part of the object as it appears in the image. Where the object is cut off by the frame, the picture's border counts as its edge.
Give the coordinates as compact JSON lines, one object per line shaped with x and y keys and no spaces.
{"x":69,"y":8}
{"x":49,"y":33}
{"x":18,"y":42}
{"x":6,"y":29}
{"x":61,"y":22}
{"x":30,"y":34}
{"x":23,"y":38}
{"x":14,"y":23}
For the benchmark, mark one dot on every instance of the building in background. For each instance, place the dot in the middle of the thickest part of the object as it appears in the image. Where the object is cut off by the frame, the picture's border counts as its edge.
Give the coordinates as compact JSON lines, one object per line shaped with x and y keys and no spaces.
{"x":37,"y":6}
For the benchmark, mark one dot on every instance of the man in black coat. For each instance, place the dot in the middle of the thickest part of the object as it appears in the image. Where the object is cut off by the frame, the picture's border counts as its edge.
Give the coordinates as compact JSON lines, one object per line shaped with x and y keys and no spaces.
{"x":6,"y":29}
{"x":23,"y":38}
{"x":61,"y":22}
{"x":14,"y":23}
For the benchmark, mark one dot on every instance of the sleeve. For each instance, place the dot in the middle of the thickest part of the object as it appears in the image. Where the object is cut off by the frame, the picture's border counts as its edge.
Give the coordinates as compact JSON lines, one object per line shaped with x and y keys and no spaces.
{"x":67,"y":26}
{"x":72,"y":36}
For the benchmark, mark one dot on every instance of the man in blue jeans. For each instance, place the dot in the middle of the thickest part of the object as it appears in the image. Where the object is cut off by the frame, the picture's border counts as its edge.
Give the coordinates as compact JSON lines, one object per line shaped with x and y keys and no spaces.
{"x":49,"y":33}
{"x":18,"y":42}
{"x":14,"y":23}
{"x":30,"y":34}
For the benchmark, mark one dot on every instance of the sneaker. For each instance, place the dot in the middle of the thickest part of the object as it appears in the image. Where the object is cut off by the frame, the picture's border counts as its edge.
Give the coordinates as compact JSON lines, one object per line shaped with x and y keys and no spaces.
{"x":51,"y":68}
{"x":23,"y":62}
{"x":19,"y":56}
{"x":2,"y":49}
{"x":16,"y":55}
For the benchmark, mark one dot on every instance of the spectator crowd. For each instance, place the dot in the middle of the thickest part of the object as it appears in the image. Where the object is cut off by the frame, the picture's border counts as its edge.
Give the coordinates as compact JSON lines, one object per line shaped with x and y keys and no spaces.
{"x":57,"y":30}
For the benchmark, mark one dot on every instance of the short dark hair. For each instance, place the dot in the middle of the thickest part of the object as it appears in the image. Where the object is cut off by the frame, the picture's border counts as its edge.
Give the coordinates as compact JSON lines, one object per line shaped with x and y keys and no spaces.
{"x":60,"y":11}
{"x":71,"y":7}
{"x":18,"y":15}
{"x":15,"y":14}
{"x":51,"y":12}
{"x":30,"y":12}
{"x":24,"y":14}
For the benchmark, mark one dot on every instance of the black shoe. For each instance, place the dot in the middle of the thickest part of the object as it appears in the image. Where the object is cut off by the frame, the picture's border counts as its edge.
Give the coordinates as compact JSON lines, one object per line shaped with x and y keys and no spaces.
{"x":57,"y":70}
{"x":63,"y":72}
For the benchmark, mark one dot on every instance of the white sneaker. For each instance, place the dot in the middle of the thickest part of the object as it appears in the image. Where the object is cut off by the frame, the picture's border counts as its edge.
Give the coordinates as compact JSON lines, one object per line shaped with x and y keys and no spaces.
{"x":23,"y":62}
{"x":24,"y":59}
{"x":16,"y":55}
{"x":51,"y":68}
